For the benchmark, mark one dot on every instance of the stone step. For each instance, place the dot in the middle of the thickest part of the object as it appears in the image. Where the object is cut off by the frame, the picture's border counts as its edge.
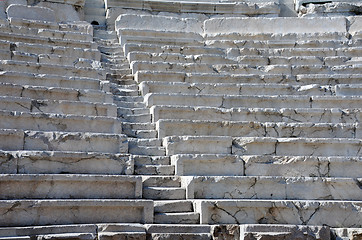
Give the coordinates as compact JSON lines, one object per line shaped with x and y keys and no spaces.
{"x":346,"y":51}
{"x":76,"y":26}
{"x":131,"y":105}
{"x":23,"y":104}
{"x":151,"y":142}
{"x":54,"y":93}
{"x":54,"y":162}
{"x":66,"y":61}
{"x":179,"y":58}
{"x":250,"y":231}
{"x":209,"y":165}
{"x":103,"y":34}
{"x":151,"y":151}
{"x":119,"y":72}
{"x":31,"y":23}
{"x":253,"y":60}
{"x":144,"y":31}
{"x":177,"y":218}
{"x":141,"y":133}
{"x":133,"y":111}
{"x":185,"y":236}
{"x":298,"y":146}
{"x":139,"y":118}
{"x":285,"y":69}
{"x":263,"y":165}
{"x":13,"y":139}
{"x":163,"y":193}
{"x":275,"y":42}
{"x":58,"y":122}
{"x":291,"y":27}
{"x":262,"y":146}
{"x":42,"y":212}
{"x":161,"y":181}
{"x":50,"y":80}
{"x":195,"y":78}
{"x":69,"y":186}
{"x":76,"y":231}
{"x":17,"y":37}
{"x":66,"y":35}
{"x":252,"y":101}
{"x":167,"y":128}
{"x":173,"y":206}
{"x":124,"y":80}
{"x":151,"y":160}
{"x":110,"y":65}
{"x":228,"y":68}
{"x":129,"y":98}
{"x":154,"y":169}
{"x":104,"y":41}
{"x":114,"y":59}
{"x":56,"y":34}
{"x":180,"y":231}
{"x":42,"y":68}
{"x":120,"y":77}
{"x":245,"y":88}
{"x":126,"y":92}
{"x":187,"y":50}
{"x":111,"y":49}
{"x":197,"y":144}
{"x":138,"y":126}
{"x":287,"y":115}
{"x":277,"y":188}
{"x":159,"y":40}
{"x":300,"y":212}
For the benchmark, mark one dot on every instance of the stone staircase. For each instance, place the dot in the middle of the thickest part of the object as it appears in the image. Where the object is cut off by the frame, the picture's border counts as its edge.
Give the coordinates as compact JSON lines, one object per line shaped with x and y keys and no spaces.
{"x":63,"y":153}
{"x":180,"y":123}
{"x":241,"y":113}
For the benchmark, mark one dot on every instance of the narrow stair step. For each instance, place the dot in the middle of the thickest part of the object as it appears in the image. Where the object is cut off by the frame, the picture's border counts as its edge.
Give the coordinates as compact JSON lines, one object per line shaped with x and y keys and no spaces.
{"x":177,"y":218}
{"x":164,"y":193}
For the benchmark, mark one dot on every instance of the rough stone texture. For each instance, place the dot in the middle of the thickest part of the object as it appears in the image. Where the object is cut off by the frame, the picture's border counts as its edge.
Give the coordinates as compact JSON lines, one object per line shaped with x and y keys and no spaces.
{"x":64,"y":12}
{"x":30,"y":13}
{"x":240,"y":123}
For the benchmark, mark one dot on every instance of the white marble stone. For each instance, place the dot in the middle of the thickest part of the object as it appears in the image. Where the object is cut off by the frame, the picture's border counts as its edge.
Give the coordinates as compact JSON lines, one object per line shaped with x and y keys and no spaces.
{"x":30,"y":12}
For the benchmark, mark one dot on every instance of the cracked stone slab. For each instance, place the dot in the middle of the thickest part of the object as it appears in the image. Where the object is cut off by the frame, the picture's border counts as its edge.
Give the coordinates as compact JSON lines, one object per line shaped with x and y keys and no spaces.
{"x":302,"y":166}
{"x":274,"y":187}
{"x":48,"y":162}
{"x":45,"y":230}
{"x":298,"y":212}
{"x":75,"y":141}
{"x":197,"y":144}
{"x":63,"y":186}
{"x":297,"y":146}
{"x":274,"y":25}
{"x":76,"y":231}
{"x":59,"y":122}
{"x":41,"y":212}
{"x":288,"y":232}
{"x":50,"y":80}
{"x":287,"y":115}
{"x":207,"y":165}
{"x":167,"y":128}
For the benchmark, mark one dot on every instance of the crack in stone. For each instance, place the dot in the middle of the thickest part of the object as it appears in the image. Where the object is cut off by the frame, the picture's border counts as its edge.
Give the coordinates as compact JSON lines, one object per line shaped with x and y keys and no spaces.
{"x":228,"y":213}
{"x":16,"y":204}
